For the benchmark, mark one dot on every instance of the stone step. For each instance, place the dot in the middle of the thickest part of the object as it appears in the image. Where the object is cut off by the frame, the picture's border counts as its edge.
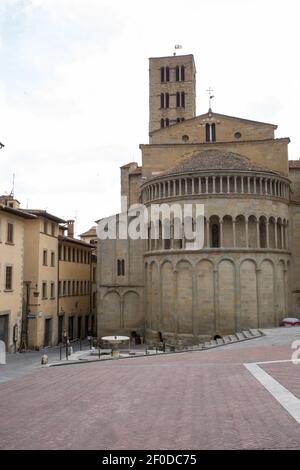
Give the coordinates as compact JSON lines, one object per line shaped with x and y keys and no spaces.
{"x":213,"y":342}
{"x":233,"y":338}
{"x":255,"y":332}
{"x":248,"y":334}
{"x":226,"y":339}
{"x":220,"y":340}
{"x":240,"y":336}
{"x":207,"y":344}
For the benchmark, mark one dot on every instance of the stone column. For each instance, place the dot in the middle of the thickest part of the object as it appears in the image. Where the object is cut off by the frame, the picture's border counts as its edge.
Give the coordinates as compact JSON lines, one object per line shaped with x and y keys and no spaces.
{"x":214,"y":184}
{"x":260,"y":186}
{"x":258,"y":284}
{"x":207,"y":233}
{"x":266,"y":186}
{"x":268,"y":234}
{"x":234,"y":233}
{"x":122,"y":312}
{"x":175,"y":275}
{"x":257,"y":233}
{"x":254,"y":185}
{"x":237,"y":315}
{"x":216,"y":298}
{"x":180,"y":188}
{"x":228,"y":184}
{"x":282,"y":238}
{"x":235,"y":184}
{"x":206,"y":184}
{"x":193,"y":185}
{"x":276,"y":235}
{"x":249,"y":186}
{"x":185,"y":185}
{"x":200,"y":188}
{"x":194,"y":301}
{"x":247,"y":233}
{"x":221,"y":184}
{"x":221,"y":233}
{"x":242,"y":185}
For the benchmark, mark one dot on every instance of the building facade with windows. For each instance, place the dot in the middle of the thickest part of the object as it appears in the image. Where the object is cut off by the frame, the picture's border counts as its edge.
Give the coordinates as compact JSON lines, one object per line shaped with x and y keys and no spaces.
{"x":247,"y":273}
{"x":75,"y":301}
{"x":41,"y":278}
{"x":47,"y":278}
{"x":12,"y":222}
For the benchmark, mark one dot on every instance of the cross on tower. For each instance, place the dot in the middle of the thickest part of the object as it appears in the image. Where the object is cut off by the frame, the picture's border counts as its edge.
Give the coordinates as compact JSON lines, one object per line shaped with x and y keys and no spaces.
{"x":210,"y":95}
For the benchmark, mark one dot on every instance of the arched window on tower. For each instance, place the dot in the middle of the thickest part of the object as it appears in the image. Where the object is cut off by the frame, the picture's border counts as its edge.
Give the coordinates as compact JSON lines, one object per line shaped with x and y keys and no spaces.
{"x":180,"y":99}
{"x":167,"y":74}
{"x":215,"y":236}
{"x":164,"y":74}
{"x":180,"y":72}
{"x":164,"y":100}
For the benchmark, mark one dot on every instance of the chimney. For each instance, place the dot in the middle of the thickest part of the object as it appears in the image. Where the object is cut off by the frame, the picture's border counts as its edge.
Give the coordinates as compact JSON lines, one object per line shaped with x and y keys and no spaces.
{"x":70,"y":228}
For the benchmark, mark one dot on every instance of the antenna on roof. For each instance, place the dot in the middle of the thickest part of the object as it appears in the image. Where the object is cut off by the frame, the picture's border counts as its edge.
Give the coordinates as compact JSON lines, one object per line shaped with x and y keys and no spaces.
{"x":12,"y":193}
{"x":176,"y":47}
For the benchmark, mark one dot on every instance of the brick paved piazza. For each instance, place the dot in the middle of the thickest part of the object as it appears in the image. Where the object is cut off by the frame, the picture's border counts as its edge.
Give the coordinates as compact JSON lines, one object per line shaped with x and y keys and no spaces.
{"x":195,"y":400}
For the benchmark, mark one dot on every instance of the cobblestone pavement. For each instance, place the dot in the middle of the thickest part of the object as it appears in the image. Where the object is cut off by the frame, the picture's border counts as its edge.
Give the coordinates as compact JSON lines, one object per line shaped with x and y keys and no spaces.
{"x":20,"y":364}
{"x":196,"y":400}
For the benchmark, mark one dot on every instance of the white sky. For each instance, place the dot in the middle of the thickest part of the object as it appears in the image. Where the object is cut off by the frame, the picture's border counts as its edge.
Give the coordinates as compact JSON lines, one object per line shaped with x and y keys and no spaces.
{"x":67,"y":120}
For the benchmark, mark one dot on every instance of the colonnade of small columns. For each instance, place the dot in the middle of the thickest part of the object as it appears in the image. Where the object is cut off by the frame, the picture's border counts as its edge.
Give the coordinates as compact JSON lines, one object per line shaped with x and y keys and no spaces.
{"x":236,"y":184}
{"x":251,"y":232}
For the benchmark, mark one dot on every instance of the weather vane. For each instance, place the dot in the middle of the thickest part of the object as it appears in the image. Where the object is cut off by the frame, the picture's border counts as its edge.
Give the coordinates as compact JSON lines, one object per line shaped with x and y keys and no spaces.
{"x":177,"y":46}
{"x":210,"y":95}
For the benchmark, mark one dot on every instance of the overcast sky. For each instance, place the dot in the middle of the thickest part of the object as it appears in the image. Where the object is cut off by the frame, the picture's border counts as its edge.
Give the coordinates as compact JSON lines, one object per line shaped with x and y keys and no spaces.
{"x":74,"y":86}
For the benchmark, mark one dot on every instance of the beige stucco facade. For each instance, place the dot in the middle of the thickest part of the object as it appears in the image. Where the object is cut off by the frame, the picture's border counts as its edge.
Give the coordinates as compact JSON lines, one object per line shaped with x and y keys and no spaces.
{"x":75,"y":303}
{"x":11,"y":272}
{"x":247,"y":273}
{"x":41,"y":279}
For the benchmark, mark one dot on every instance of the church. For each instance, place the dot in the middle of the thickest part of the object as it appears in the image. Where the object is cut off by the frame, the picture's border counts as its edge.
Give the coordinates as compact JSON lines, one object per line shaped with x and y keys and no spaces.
{"x":247,"y":274}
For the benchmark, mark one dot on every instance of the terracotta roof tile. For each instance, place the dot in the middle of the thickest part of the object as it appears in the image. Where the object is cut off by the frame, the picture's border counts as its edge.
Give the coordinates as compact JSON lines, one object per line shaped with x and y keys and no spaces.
{"x":214,"y":160}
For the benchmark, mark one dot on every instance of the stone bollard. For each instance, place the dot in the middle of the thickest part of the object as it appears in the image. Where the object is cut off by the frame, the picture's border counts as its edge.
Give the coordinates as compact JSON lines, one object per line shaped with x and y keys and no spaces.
{"x":44,"y":359}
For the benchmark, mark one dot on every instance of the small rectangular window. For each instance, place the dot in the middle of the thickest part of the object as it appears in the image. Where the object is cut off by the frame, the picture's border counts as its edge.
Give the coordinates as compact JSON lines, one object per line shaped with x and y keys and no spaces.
{"x":121,"y":267}
{"x":44,"y":290}
{"x":52,"y":258}
{"x":8,"y":277}
{"x":52,"y":290}
{"x":45,"y":257}
{"x":10,"y":233}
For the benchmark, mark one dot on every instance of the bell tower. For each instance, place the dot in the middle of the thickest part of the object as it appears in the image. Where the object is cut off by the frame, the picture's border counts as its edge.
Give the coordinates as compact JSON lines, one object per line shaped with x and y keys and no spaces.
{"x":172,"y":90}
